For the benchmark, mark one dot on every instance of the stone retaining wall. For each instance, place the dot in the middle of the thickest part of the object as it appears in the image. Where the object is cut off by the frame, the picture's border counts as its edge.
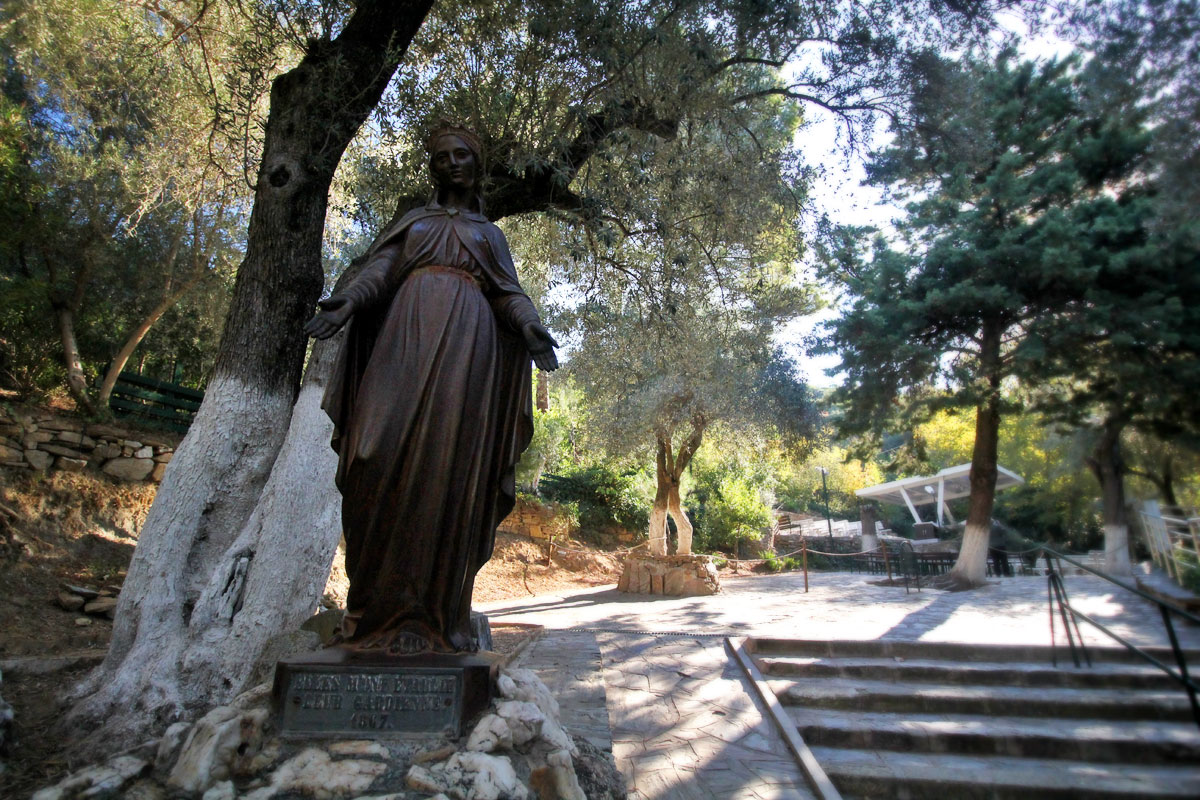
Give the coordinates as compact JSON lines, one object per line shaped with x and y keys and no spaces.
{"x":546,"y":521}
{"x":536,"y":521}
{"x":41,"y":440}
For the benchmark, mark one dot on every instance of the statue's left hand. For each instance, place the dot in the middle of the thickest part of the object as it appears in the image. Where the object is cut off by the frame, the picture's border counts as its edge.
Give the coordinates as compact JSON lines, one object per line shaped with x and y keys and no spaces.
{"x":541,"y":346}
{"x":335,"y":312}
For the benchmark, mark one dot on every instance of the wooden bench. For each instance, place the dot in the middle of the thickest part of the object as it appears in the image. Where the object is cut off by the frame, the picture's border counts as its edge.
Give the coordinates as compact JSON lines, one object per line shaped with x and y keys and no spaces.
{"x":165,"y":404}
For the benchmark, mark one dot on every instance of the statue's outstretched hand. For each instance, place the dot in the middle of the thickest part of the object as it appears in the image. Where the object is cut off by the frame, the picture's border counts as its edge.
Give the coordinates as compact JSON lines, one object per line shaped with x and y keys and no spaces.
{"x":541,"y":346}
{"x":335,"y":312}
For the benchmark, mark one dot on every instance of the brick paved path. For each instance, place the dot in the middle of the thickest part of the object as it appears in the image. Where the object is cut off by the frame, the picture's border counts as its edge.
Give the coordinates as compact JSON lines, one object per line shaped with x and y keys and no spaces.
{"x":651,"y":675}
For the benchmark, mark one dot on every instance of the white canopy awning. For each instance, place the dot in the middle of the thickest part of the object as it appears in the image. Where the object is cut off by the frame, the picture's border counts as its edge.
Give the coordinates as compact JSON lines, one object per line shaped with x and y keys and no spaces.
{"x":949,"y":484}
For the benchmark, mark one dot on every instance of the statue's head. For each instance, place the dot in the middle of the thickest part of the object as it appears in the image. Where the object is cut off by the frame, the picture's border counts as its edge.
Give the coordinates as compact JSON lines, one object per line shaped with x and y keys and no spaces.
{"x":456,"y":162}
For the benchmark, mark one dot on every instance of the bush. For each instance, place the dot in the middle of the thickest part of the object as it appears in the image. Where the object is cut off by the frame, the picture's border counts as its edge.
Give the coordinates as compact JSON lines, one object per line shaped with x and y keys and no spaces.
{"x":605,"y":498}
{"x":727,"y":510}
{"x":29,"y":353}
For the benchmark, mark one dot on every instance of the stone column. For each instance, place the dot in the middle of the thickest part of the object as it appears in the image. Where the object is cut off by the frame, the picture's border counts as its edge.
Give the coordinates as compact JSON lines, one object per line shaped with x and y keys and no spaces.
{"x":870,"y":540}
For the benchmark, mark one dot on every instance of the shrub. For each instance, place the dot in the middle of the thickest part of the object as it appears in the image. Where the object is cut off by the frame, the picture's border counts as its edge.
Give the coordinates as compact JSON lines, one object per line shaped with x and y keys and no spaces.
{"x":604,"y":497}
{"x":728,"y":510}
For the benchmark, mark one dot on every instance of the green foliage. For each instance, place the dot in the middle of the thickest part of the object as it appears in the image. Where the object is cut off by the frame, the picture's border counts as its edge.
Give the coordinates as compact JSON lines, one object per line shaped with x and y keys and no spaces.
{"x":800,"y":488}
{"x":549,"y":450}
{"x":1056,"y":503}
{"x":728,"y":490}
{"x":1009,"y":180}
{"x":29,"y":360}
{"x":605,"y":497}
{"x":1031,"y":262}
{"x":1189,"y":568}
{"x":1168,"y":469}
{"x":726,"y":509}
{"x":118,"y":204}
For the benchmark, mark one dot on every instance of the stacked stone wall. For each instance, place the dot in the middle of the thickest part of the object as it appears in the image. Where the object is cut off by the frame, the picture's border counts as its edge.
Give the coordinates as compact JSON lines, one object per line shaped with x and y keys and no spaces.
{"x":537,"y":521}
{"x":41,"y":440}
{"x":546,"y":521}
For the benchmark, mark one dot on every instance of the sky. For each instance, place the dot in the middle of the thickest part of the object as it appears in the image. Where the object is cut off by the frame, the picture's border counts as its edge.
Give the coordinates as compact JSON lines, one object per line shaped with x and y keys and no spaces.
{"x":839,"y":193}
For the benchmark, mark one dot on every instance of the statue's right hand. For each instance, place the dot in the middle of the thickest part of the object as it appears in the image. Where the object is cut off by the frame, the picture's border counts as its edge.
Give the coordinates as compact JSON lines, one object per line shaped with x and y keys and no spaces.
{"x":335,"y":312}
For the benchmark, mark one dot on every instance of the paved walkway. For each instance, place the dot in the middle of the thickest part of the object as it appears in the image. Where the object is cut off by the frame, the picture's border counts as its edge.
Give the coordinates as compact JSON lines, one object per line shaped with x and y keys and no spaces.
{"x":650,"y":676}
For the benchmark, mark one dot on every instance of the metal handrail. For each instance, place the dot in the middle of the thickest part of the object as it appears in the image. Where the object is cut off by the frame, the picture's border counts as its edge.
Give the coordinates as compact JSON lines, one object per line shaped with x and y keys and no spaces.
{"x":1058,"y":594}
{"x":916,"y":566}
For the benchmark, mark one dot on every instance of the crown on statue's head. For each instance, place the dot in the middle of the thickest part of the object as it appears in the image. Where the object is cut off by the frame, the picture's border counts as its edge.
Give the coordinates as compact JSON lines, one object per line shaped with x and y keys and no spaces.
{"x":468,"y":136}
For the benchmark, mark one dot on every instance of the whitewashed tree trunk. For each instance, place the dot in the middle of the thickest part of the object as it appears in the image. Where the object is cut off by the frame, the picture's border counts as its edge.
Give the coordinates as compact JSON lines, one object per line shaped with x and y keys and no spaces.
{"x":683,"y":525}
{"x":208,"y":492}
{"x":1116,"y":550}
{"x":1108,"y":465}
{"x":271,"y":577}
{"x":870,"y":535}
{"x":657,"y":544}
{"x":242,"y":589}
{"x":971,"y":566}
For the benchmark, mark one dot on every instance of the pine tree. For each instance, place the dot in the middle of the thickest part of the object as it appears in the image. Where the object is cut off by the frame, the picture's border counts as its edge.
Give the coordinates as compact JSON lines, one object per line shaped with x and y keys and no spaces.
{"x":1009,"y":179}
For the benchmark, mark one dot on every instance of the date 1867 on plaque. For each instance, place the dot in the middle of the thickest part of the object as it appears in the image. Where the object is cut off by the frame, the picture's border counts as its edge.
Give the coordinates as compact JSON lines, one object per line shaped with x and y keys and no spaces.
{"x":338,"y":694}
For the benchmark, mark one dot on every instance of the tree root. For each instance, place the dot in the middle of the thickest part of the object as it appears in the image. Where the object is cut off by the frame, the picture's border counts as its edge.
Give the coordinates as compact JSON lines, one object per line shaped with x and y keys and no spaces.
{"x":954,"y":583}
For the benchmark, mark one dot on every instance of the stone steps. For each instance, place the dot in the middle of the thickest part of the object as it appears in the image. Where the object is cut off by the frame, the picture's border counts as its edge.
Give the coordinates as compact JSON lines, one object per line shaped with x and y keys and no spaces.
{"x":998,"y":701}
{"x":954,"y":652}
{"x":916,"y":720}
{"x":1108,"y":676}
{"x":1133,"y":742}
{"x":918,"y":776}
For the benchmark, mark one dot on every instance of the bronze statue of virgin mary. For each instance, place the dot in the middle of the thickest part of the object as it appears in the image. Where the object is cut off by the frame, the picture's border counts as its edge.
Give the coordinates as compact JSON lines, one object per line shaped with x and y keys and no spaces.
{"x":431,"y":408}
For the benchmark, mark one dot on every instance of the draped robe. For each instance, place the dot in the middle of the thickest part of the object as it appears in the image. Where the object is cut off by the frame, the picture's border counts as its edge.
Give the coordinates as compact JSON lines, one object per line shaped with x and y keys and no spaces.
{"x":431,"y":408}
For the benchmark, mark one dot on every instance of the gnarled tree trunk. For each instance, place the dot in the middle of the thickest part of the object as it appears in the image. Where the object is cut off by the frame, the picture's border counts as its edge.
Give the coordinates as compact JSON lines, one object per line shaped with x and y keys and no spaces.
{"x":669,"y":467}
{"x":212,"y":578}
{"x":683,"y":525}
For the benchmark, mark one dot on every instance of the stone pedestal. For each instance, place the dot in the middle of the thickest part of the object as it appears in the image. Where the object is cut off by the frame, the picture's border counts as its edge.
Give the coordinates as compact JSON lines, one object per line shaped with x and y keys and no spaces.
{"x":679,"y":576}
{"x":342,"y":693}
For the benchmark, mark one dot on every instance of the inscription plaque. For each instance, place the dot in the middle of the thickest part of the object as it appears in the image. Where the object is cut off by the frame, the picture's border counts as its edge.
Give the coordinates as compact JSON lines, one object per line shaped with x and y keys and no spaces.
{"x":337,"y":693}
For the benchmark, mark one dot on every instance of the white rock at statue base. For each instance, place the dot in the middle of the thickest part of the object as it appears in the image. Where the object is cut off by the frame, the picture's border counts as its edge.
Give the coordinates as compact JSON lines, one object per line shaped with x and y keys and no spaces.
{"x":553,"y":733}
{"x":562,"y":776}
{"x":314,"y":774}
{"x":221,"y":791}
{"x":101,"y":780}
{"x":221,"y":739}
{"x":486,"y":777}
{"x":490,"y":733}
{"x":523,"y":684}
{"x":423,"y":779}
{"x":523,"y":719}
